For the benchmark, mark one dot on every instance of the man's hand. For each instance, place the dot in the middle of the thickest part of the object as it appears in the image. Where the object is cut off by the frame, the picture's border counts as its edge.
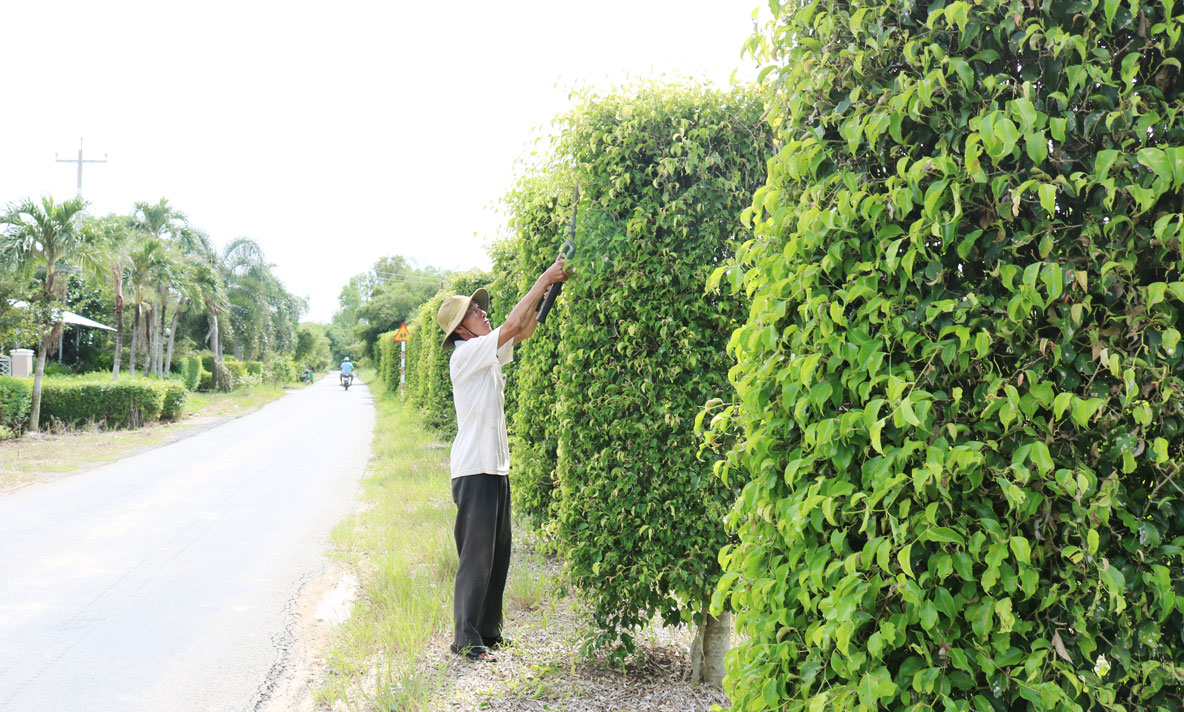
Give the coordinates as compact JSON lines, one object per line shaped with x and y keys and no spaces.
{"x":557,"y":272}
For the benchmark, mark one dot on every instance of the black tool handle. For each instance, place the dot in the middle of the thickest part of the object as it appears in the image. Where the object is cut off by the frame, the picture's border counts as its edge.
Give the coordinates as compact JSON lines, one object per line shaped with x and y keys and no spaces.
{"x":552,"y":294}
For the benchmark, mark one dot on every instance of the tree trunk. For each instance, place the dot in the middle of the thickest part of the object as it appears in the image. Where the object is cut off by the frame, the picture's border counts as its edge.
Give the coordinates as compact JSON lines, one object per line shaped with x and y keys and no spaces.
{"x":131,"y":356}
{"x":149,"y":320}
{"x":159,"y":354}
{"x":712,"y":639}
{"x":168,"y":357}
{"x":117,"y":283}
{"x":47,"y":344}
{"x":118,"y":339}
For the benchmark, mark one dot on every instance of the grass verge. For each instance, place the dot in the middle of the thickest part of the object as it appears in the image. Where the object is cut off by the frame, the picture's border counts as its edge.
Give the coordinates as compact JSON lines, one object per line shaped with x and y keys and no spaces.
{"x":401,"y":547}
{"x":39,"y":457}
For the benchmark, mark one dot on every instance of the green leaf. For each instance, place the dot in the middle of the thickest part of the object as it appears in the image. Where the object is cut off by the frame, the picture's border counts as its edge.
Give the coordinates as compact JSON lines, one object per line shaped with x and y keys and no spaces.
{"x":903,"y":557}
{"x":1060,"y":403}
{"x":1048,"y":198}
{"x":1084,"y":409}
{"x":1036,"y":146}
{"x":1022,"y":549}
{"x":944,"y":534}
{"x":1057,"y":128}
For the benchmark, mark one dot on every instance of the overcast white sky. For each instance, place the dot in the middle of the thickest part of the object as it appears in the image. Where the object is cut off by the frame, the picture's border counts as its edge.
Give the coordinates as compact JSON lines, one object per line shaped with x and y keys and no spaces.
{"x":331,"y":132}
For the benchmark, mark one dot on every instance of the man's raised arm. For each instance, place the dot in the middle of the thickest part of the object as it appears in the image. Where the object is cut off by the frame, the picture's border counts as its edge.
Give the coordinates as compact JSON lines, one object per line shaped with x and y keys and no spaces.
{"x":520,"y":324}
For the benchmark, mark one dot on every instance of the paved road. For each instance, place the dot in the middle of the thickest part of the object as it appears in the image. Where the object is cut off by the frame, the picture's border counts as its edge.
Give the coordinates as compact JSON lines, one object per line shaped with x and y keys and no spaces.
{"x":164,"y":581}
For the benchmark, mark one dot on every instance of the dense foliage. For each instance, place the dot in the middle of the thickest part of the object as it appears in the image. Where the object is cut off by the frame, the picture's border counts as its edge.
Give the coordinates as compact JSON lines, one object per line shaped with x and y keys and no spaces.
{"x":16,"y":396}
{"x":665,"y":172}
{"x":539,"y":209}
{"x":960,"y":379}
{"x":126,"y":403}
{"x":377,"y":301}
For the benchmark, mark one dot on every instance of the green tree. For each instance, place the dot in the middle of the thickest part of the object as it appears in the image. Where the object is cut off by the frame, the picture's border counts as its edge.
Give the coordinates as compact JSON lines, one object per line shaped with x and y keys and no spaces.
{"x":312,"y":346}
{"x":160,"y":221}
{"x":959,"y":382}
{"x":664,"y":171}
{"x":114,"y":234}
{"x":44,"y":235}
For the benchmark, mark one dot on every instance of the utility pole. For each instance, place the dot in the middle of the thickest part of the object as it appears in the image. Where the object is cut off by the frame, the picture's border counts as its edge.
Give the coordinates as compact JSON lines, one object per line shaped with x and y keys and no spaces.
{"x":80,"y":161}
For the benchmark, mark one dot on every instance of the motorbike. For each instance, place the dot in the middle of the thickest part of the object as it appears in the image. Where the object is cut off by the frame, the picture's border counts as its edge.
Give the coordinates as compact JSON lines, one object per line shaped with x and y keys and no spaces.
{"x":347,"y":380}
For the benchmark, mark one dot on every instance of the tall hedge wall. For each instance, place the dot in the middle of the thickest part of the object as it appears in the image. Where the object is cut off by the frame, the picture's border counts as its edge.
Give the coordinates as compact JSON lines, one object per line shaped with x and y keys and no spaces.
{"x":387,"y":360}
{"x":960,"y":379}
{"x":539,"y":209}
{"x":665,"y":172}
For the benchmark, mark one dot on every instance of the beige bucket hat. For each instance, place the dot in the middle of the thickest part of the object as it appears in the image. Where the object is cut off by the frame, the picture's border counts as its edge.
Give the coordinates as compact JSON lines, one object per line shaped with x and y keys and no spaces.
{"x":452,"y":312}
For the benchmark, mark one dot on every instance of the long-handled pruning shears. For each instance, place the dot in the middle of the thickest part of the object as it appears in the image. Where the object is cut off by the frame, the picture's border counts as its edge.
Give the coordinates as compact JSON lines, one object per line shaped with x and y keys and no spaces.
{"x":566,"y":251}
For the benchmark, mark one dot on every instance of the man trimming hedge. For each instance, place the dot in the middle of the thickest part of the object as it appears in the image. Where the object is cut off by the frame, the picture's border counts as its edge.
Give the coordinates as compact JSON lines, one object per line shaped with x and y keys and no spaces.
{"x":480,"y":460}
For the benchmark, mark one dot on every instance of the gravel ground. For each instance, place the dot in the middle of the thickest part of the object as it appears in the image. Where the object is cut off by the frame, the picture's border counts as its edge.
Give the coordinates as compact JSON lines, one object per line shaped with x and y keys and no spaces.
{"x":545,"y":670}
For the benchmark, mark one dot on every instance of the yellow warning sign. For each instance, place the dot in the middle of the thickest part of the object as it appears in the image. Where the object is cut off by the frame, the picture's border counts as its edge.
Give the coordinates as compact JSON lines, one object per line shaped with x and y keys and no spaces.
{"x":401,"y":334}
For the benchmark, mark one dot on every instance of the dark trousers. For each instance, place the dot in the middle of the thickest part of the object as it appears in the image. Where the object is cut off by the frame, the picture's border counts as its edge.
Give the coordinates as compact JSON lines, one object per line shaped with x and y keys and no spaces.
{"x":483,"y":544}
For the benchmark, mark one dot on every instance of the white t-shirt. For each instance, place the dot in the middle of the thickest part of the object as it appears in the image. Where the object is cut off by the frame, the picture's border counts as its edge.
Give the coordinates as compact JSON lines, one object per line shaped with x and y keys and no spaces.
{"x":481,"y":446}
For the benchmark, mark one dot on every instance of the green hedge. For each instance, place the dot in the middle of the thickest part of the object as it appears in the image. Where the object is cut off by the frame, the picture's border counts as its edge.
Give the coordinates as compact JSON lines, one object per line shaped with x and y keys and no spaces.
{"x":387,"y":355}
{"x":960,"y":380}
{"x":16,"y":398}
{"x":280,"y":370}
{"x":127,"y":402}
{"x":194,"y":374}
{"x":664,"y":172}
{"x":175,"y":395}
{"x":539,"y":209}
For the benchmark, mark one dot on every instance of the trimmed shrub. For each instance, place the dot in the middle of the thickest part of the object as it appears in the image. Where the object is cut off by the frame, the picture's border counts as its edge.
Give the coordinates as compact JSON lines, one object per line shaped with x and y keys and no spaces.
{"x":175,"y":395}
{"x":125,"y":403}
{"x":16,"y":397}
{"x":281,"y":370}
{"x":193,"y":373}
{"x":960,"y":379}
{"x":242,"y":377}
{"x":205,"y":381}
{"x":388,"y":352}
{"x":539,"y":208}
{"x":665,"y":172}
{"x":254,"y":368}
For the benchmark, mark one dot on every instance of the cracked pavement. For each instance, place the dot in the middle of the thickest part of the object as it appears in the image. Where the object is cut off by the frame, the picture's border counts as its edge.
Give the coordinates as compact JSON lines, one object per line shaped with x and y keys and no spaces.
{"x":165,"y":580}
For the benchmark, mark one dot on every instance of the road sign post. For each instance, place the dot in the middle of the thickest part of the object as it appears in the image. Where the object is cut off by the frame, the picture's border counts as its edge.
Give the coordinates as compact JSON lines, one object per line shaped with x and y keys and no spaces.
{"x":401,"y":337}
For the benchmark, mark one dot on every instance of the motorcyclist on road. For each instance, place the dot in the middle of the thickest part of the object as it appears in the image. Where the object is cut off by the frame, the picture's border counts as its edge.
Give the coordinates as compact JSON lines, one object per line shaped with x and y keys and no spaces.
{"x":347,"y":370}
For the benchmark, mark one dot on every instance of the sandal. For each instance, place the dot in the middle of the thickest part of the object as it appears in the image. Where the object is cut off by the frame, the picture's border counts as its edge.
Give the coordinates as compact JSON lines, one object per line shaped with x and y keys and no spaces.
{"x":474,"y":652}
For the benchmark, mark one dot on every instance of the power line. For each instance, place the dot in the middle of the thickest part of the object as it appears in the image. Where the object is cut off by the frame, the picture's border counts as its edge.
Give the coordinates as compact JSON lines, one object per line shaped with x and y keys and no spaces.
{"x":80,"y":161}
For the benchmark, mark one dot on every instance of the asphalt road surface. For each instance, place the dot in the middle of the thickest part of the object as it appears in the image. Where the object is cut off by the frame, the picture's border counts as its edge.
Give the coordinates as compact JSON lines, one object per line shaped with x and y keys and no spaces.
{"x":165,"y":581}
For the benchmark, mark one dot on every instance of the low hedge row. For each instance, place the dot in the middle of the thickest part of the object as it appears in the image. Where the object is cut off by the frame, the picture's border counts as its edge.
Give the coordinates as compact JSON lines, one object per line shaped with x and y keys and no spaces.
{"x":16,"y":396}
{"x":126,"y":403}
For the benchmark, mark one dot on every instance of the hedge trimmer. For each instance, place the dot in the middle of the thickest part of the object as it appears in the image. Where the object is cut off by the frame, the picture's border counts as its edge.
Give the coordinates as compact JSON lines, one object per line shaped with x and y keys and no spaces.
{"x":565,"y":251}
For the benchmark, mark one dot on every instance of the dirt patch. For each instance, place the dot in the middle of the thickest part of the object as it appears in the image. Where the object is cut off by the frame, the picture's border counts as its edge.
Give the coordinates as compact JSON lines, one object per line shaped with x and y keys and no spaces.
{"x":546,"y":671}
{"x":322,"y":604}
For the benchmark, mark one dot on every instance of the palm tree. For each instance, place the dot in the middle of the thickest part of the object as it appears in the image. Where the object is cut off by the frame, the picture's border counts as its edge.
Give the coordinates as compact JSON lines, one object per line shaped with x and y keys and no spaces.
{"x":151,"y":262}
{"x":196,"y":247}
{"x":114,"y":235}
{"x":158,"y":220}
{"x":207,"y":281}
{"x":45,"y":233}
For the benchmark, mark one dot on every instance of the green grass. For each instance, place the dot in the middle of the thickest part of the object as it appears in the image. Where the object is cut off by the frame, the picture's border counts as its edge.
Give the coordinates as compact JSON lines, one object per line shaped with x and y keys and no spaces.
{"x":401,"y":546}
